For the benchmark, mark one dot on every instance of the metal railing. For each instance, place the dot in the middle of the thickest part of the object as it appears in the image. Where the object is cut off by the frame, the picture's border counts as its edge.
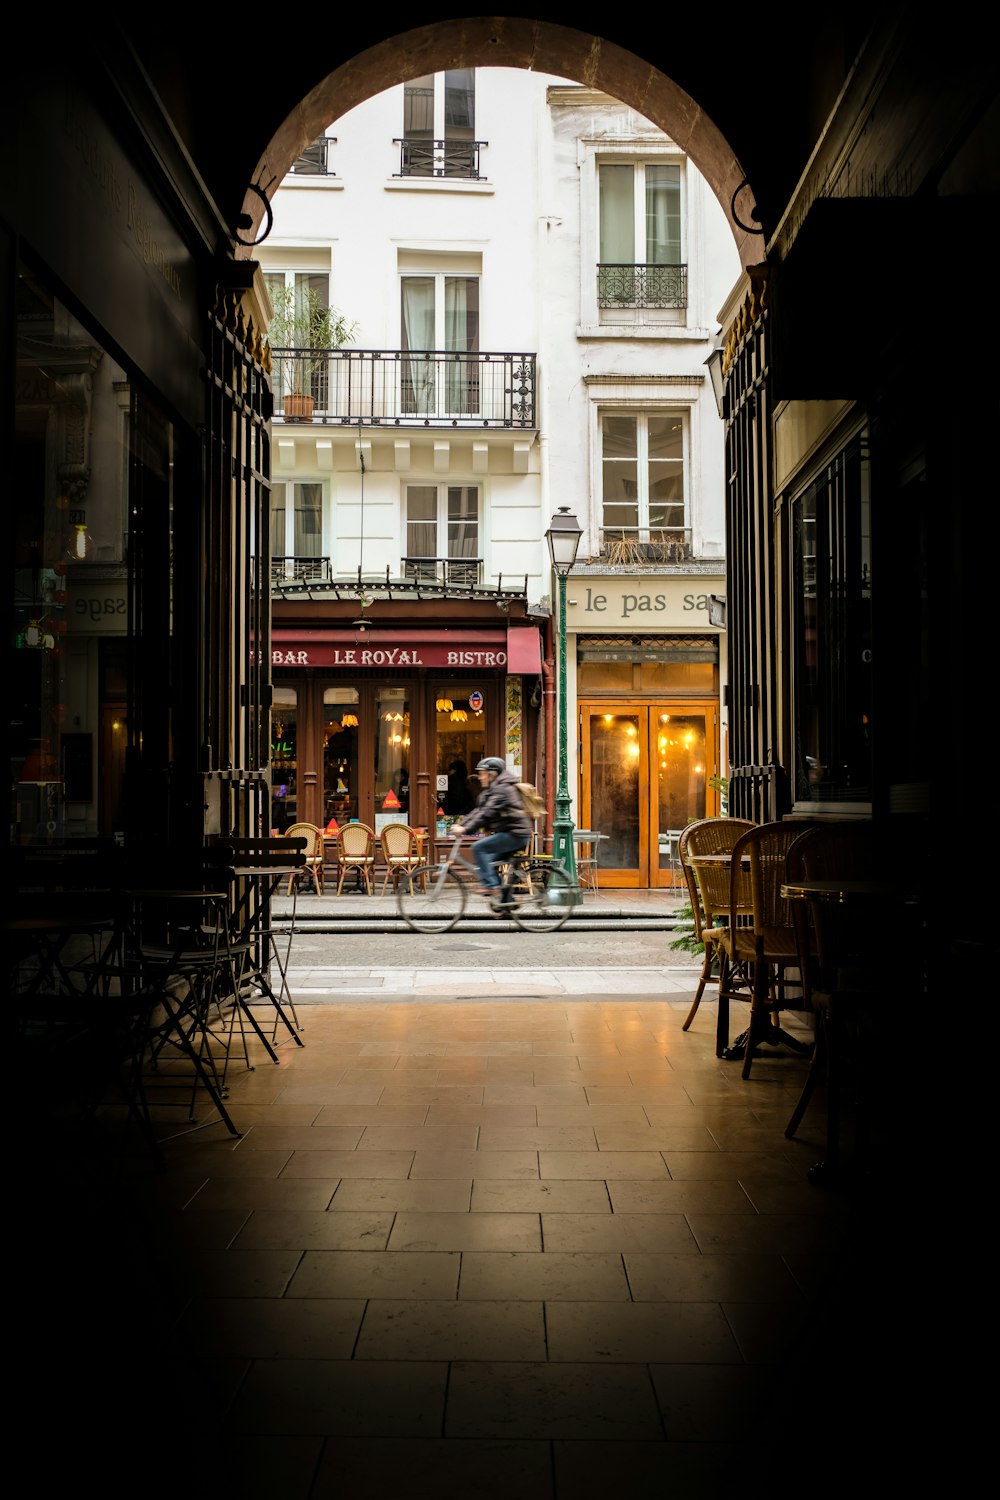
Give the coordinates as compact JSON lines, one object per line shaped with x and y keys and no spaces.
{"x":430,"y":578}
{"x":638,"y":546}
{"x":315,"y":159}
{"x":404,"y":388}
{"x":300,"y":569}
{"x":439,"y":158}
{"x":642,"y":286}
{"x":462,"y":571}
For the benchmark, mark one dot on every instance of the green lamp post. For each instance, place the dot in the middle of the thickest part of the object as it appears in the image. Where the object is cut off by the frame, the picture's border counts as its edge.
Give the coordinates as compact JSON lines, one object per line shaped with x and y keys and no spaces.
{"x":563,"y":537}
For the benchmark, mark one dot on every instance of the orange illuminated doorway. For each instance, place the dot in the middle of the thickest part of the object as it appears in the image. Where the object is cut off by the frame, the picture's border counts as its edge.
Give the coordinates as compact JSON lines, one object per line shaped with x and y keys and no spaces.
{"x":646,"y":770}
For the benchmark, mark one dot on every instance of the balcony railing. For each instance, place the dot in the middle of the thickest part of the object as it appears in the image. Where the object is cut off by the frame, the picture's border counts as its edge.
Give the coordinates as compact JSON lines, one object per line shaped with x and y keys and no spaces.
{"x":315,"y":159}
{"x":419,"y":577}
{"x":642,"y":286}
{"x":465,"y":572}
{"x":439,"y":158}
{"x":641,"y":546}
{"x":300,"y":569}
{"x":404,"y":388}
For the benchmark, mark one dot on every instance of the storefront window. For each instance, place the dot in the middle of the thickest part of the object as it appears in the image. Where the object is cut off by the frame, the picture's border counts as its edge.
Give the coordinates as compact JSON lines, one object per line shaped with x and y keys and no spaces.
{"x":460,"y":745}
{"x":341,"y":728}
{"x":284,"y":760}
{"x":392,"y":757}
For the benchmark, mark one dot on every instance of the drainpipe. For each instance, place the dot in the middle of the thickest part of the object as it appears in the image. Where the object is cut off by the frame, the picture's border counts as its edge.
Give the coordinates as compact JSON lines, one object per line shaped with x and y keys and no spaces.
{"x":549,"y":705}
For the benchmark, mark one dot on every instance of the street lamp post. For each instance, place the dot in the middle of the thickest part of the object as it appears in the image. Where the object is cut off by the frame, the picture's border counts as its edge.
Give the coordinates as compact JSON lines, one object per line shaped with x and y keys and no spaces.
{"x":563,"y":537}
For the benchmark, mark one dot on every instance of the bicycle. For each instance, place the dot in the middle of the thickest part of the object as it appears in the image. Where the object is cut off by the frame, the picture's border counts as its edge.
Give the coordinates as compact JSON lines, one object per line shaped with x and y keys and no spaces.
{"x":537,"y":894}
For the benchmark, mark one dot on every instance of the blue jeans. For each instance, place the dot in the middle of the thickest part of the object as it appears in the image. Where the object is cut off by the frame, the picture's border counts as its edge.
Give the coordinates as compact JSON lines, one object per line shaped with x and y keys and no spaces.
{"x":488,"y":852}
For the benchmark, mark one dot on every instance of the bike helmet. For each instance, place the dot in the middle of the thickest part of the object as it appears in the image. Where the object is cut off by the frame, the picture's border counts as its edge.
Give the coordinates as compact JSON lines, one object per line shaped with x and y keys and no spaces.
{"x":491,"y":763}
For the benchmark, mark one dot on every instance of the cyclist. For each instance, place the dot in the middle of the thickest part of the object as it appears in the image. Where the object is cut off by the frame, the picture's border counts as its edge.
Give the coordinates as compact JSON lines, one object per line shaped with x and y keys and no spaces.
{"x":501,"y":811}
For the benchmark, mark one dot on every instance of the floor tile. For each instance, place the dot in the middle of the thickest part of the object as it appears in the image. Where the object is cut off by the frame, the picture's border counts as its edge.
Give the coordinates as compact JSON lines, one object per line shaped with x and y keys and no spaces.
{"x":465,"y":1231}
{"x":601,"y":1404}
{"x":574,"y":1276}
{"x":483,"y":1329}
{"x":357,"y":1273}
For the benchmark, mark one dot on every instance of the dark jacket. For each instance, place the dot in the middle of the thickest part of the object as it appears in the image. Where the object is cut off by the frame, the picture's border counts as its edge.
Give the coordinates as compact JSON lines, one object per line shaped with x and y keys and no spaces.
{"x":500,"y":810}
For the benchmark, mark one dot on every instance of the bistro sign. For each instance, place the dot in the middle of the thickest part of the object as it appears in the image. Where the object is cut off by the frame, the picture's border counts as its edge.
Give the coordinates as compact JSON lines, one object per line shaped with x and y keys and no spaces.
{"x":386,"y":656}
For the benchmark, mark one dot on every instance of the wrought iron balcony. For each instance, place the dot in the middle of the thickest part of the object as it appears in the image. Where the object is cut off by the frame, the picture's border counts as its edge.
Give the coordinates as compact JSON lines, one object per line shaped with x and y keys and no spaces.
{"x":642,"y":286}
{"x":439,"y":158}
{"x":315,"y":159}
{"x":420,"y":578}
{"x":300,"y":569}
{"x":640,"y":546}
{"x":403,"y":388}
{"x":463,"y":571}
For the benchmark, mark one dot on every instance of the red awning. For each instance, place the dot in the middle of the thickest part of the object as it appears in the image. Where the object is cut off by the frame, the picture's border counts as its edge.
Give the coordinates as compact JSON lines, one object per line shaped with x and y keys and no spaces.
{"x":524,"y":650}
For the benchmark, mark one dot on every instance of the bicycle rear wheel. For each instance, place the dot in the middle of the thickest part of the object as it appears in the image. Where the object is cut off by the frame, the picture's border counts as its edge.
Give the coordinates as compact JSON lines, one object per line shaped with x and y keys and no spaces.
{"x":431,"y":900}
{"x":540,"y":894}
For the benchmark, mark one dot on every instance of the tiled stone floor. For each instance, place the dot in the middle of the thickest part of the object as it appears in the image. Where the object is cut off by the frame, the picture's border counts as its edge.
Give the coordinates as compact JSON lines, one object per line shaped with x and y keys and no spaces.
{"x":544,"y":1248}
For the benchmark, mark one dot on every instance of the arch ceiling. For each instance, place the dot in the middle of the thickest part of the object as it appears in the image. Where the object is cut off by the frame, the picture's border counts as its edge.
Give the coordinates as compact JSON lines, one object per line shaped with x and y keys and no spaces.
{"x":538,"y":46}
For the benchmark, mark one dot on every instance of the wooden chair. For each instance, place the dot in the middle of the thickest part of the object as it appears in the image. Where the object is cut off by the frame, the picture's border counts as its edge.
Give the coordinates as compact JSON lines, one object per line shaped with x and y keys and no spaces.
{"x":401,"y":850}
{"x":766,"y":945}
{"x":708,"y":836}
{"x":356,"y":852}
{"x":314,"y":853}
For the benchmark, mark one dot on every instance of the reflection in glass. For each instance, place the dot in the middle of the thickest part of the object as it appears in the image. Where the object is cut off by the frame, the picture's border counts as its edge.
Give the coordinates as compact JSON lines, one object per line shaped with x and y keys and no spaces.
{"x":341,"y":727}
{"x":681,"y":776}
{"x":615,"y":753}
{"x":392,"y":757}
{"x":284,"y":758}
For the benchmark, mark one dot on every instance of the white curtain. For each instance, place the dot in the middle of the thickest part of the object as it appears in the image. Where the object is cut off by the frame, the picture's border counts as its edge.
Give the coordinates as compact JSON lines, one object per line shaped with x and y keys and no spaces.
{"x":418,"y":335}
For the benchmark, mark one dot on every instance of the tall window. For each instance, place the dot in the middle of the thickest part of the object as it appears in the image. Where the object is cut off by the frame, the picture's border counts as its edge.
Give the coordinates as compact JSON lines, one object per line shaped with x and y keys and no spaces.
{"x":300,"y":373}
{"x":442,"y":533}
{"x":440,"y":316}
{"x":297,"y":529}
{"x":643,"y":484}
{"x":439,"y":125}
{"x":640,"y":251}
{"x":832,"y":609}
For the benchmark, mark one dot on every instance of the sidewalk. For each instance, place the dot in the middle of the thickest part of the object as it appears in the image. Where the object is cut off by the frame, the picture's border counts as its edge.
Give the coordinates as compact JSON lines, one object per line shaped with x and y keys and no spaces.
{"x":607,"y":907}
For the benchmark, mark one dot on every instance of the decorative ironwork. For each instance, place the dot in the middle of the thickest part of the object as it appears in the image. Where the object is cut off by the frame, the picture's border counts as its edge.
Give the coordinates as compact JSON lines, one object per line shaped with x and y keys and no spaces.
{"x":405,"y":387}
{"x":315,"y":159}
{"x":642,"y":286}
{"x":439,"y":158}
{"x":454,"y":580}
{"x":464,"y":571}
{"x":302,"y":569}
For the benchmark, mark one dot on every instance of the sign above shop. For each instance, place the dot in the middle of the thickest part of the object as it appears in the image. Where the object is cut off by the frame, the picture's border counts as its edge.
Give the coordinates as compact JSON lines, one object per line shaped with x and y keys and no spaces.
{"x":481,"y":649}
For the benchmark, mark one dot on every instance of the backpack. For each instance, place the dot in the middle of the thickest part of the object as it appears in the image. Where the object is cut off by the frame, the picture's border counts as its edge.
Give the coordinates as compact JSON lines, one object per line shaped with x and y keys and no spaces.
{"x":531,"y":801}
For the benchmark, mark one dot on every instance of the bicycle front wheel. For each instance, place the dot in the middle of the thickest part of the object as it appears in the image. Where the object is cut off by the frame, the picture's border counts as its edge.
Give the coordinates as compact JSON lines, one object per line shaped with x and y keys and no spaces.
{"x":431,"y":900}
{"x":540,"y":894}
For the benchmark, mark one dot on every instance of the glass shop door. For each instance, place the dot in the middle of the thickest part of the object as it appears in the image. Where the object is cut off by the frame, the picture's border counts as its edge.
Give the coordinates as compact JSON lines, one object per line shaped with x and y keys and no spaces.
{"x":645,"y":770}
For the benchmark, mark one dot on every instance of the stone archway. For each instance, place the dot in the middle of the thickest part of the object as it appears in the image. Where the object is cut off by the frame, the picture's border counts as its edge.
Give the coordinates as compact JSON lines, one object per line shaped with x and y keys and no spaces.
{"x":506,"y":42}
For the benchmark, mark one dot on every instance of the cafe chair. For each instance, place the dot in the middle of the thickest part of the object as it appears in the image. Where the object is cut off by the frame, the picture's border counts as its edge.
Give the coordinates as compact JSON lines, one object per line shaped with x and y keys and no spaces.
{"x":587,"y":844}
{"x":313,"y":869}
{"x":715,"y":836}
{"x":401,"y":851}
{"x":766,"y":945}
{"x":355,"y":853}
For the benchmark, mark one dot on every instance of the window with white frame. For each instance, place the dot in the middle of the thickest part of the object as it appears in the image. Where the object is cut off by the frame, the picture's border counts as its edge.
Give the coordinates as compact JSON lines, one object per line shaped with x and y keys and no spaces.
{"x":439,"y":338}
{"x":299,"y":372}
{"x":640,"y":251}
{"x":442,"y":533}
{"x":297,"y":530}
{"x":644,"y":486}
{"x":439,"y":125}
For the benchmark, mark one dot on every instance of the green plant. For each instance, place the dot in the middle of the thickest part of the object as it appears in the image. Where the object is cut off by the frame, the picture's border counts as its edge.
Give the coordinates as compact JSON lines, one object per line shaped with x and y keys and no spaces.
{"x":684,"y":937}
{"x":721,"y":785}
{"x":302,"y":323}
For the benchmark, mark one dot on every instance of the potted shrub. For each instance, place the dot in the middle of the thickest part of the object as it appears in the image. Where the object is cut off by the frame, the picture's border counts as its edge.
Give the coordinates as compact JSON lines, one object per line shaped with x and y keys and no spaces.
{"x":303,"y":325}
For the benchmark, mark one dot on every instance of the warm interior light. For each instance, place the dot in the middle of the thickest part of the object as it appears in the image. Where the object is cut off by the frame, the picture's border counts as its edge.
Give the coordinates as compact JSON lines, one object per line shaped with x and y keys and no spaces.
{"x":80,"y":545}
{"x":633,"y":750}
{"x":458,"y":716}
{"x":444,"y":705}
{"x":350,"y":721}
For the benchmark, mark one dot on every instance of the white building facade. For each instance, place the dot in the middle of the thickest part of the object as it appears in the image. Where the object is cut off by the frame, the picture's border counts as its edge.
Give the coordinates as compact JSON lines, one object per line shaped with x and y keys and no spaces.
{"x":530,"y":270}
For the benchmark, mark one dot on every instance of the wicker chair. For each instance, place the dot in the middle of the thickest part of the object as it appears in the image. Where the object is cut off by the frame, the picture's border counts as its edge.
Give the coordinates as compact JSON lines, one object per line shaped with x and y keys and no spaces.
{"x":401,"y":850}
{"x":764,"y":943}
{"x":355,"y":851}
{"x":313,"y":868}
{"x":708,"y":836}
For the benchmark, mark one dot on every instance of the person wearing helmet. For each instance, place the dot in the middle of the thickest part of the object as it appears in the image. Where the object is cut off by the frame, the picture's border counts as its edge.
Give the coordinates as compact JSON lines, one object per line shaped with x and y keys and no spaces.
{"x":501,"y":812}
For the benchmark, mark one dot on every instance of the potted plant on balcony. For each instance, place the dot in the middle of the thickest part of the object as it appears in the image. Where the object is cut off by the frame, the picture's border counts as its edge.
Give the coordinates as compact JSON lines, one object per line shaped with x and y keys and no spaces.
{"x":304,"y":329}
